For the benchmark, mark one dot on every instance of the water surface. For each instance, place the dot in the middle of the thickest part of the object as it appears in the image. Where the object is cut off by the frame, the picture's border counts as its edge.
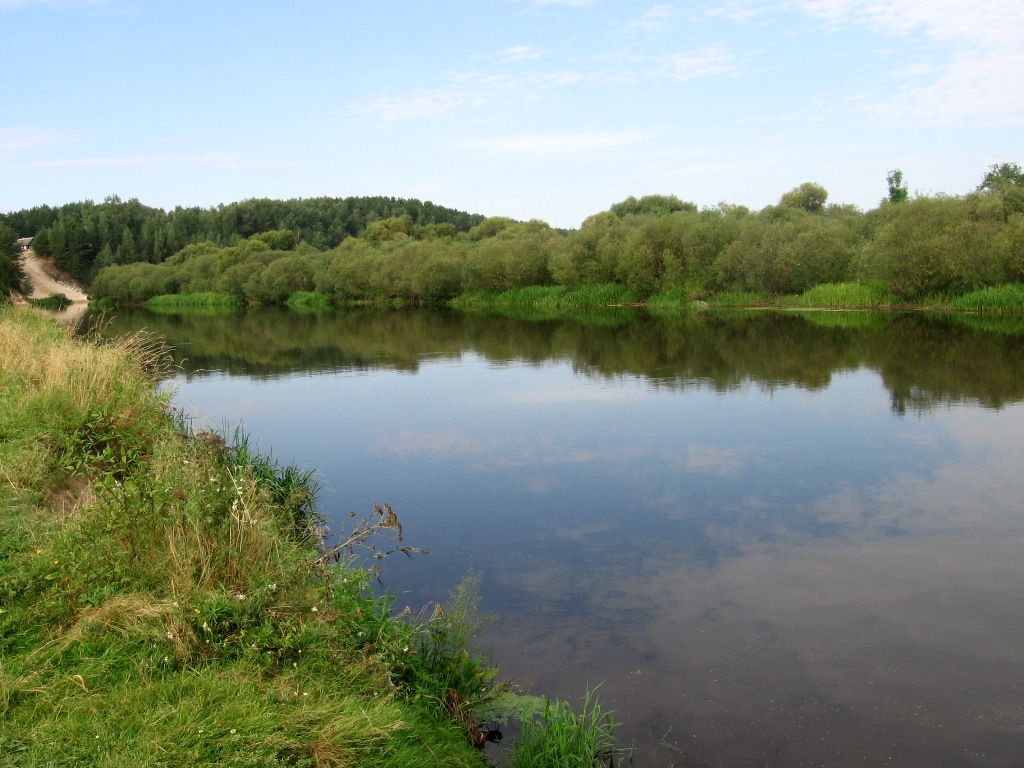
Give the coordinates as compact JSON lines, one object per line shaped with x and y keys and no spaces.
{"x":772,"y":539}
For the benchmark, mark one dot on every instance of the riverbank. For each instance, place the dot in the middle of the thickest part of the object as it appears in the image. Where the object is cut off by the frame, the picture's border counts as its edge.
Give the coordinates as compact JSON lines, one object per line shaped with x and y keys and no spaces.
{"x":1005,"y":299}
{"x":162,"y":600}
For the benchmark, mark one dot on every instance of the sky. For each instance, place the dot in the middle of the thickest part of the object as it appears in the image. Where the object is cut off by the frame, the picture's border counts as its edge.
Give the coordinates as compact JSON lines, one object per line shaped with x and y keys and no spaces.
{"x":533,"y":109}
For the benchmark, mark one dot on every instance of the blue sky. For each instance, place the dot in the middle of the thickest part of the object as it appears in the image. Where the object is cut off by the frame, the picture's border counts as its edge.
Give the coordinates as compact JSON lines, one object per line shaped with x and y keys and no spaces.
{"x":547,"y":109}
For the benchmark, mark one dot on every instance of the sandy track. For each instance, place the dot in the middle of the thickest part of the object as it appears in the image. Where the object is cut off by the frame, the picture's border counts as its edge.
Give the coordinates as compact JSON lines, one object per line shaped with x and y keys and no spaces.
{"x":41,"y":273}
{"x":44,"y":284}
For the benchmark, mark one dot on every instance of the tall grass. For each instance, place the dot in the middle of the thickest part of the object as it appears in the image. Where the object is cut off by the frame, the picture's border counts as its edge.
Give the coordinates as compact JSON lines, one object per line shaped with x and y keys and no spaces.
{"x":222,"y":302}
{"x":553,"y":297}
{"x":1001,"y":298}
{"x":167,"y":596}
{"x":845,"y":296}
{"x":564,"y":738}
{"x":310,"y":301}
{"x":160,"y":602}
{"x":738,"y":299}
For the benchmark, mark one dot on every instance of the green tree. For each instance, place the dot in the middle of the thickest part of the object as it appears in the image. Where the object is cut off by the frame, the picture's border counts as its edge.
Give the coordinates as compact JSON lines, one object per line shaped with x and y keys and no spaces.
{"x":808,"y":197}
{"x":898,"y":192}
{"x":1002,"y":175}
{"x":11,"y":275}
{"x":651,"y":205}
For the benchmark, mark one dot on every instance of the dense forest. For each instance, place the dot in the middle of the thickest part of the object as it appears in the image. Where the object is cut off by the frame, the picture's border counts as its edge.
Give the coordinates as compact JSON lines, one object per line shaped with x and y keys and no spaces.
{"x":85,"y":237}
{"x":264,"y":252}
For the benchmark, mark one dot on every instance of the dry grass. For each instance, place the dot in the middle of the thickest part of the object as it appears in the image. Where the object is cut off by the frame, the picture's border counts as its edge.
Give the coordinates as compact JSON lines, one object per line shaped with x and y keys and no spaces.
{"x":47,"y":357}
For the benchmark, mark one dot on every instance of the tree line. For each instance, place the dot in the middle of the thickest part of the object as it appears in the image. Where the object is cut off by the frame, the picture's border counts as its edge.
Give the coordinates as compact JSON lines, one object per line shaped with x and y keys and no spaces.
{"x":85,"y":237}
{"x":658,"y":245}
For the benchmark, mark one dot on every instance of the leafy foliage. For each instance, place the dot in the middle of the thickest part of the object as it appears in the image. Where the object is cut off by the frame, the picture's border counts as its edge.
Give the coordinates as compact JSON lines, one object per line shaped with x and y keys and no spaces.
{"x":404,"y":253}
{"x":11,"y":274}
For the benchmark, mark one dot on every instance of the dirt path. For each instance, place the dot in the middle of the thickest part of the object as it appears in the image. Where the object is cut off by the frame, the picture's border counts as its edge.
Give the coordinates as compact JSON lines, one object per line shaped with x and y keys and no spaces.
{"x":44,"y":283}
{"x":42,"y":274}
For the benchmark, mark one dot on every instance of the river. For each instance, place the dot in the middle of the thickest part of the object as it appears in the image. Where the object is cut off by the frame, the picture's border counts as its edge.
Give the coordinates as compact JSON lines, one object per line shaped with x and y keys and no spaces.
{"x":770,"y":539}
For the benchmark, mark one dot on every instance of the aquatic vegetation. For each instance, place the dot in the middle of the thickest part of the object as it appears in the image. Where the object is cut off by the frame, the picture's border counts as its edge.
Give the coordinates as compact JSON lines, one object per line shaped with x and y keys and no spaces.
{"x":1001,"y":298}
{"x":845,"y":296}
{"x":561,"y":737}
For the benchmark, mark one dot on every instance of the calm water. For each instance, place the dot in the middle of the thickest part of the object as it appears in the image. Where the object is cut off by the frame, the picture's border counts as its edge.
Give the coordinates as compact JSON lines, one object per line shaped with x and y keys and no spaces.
{"x":773,"y":540}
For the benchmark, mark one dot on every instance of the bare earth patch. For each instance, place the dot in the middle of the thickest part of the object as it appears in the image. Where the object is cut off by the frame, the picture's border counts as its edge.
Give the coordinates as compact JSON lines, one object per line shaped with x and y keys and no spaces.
{"x":47,"y":280}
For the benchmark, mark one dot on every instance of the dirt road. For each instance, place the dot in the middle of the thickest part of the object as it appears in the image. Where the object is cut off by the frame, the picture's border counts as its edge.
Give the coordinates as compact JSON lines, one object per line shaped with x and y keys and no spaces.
{"x":41,"y":273}
{"x":44,"y":284}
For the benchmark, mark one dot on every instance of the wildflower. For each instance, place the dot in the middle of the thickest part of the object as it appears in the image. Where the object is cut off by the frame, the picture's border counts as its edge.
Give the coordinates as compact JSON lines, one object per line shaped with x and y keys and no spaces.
{"x":315,"y":609}
{"x":2,"y":610}
{"x":232,"y":730}
{"x":240,"y":596}
{"x":39,"y":551}
{"x":206,"y":626}
{"x":170,"y":635}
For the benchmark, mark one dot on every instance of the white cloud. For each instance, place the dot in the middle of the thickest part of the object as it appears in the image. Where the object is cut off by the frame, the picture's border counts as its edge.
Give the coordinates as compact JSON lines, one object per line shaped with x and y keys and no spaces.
{"x":55,"y":3}
{"x":557,"y":143}
{"x":705,"y":62}
{"x":567,"y":3}
{"x":979,"y":79}
{"x":207,"y":160}
{"x":421,"y":103}
{"x":520,"y":53}
{"x":652,"y":20}
{"x":15,"y":140}
{"x":994,"y":21}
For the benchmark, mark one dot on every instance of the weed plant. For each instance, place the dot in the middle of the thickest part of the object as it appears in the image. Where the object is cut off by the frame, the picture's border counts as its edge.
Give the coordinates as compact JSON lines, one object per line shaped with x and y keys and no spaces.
{"x":561,"y":737}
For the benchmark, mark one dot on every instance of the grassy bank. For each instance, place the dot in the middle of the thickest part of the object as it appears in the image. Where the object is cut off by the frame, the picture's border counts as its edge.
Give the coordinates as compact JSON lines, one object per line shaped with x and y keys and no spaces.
{"x":165,"y":598}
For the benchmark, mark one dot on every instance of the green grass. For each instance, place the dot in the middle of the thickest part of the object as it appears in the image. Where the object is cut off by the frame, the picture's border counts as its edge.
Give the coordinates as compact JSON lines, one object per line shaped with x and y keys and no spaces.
{"x":553,"y":297}
{"x":739,"y":299}
{"x":844,"y":296}
{"x":161,"y":602}
{"x":1000,"y":298}
{"x":561,"y":737}
{"x":190,"y":301}
{"x":166,"y":598}
{"x":310,"y":301}
{"x":56,"y":303}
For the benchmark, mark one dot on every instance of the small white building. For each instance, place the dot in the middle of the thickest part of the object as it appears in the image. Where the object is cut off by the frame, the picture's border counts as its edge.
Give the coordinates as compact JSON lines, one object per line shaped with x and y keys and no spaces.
{"x":24,"y":243}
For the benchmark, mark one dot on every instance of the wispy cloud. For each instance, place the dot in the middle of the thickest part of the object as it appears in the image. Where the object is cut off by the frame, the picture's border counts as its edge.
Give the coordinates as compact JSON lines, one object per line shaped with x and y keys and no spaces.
{"x":653,"y":20}
{"x":54,"y":3}
{"x":567,"y":3}
{"x":519,"y":53}
{"x":979,"y":80}
{"x":557,"y":143}
{"x":704,"y":62}
{"x":208,"y":160}
{"x":421,"y":103}
{"x":17,"y":140}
